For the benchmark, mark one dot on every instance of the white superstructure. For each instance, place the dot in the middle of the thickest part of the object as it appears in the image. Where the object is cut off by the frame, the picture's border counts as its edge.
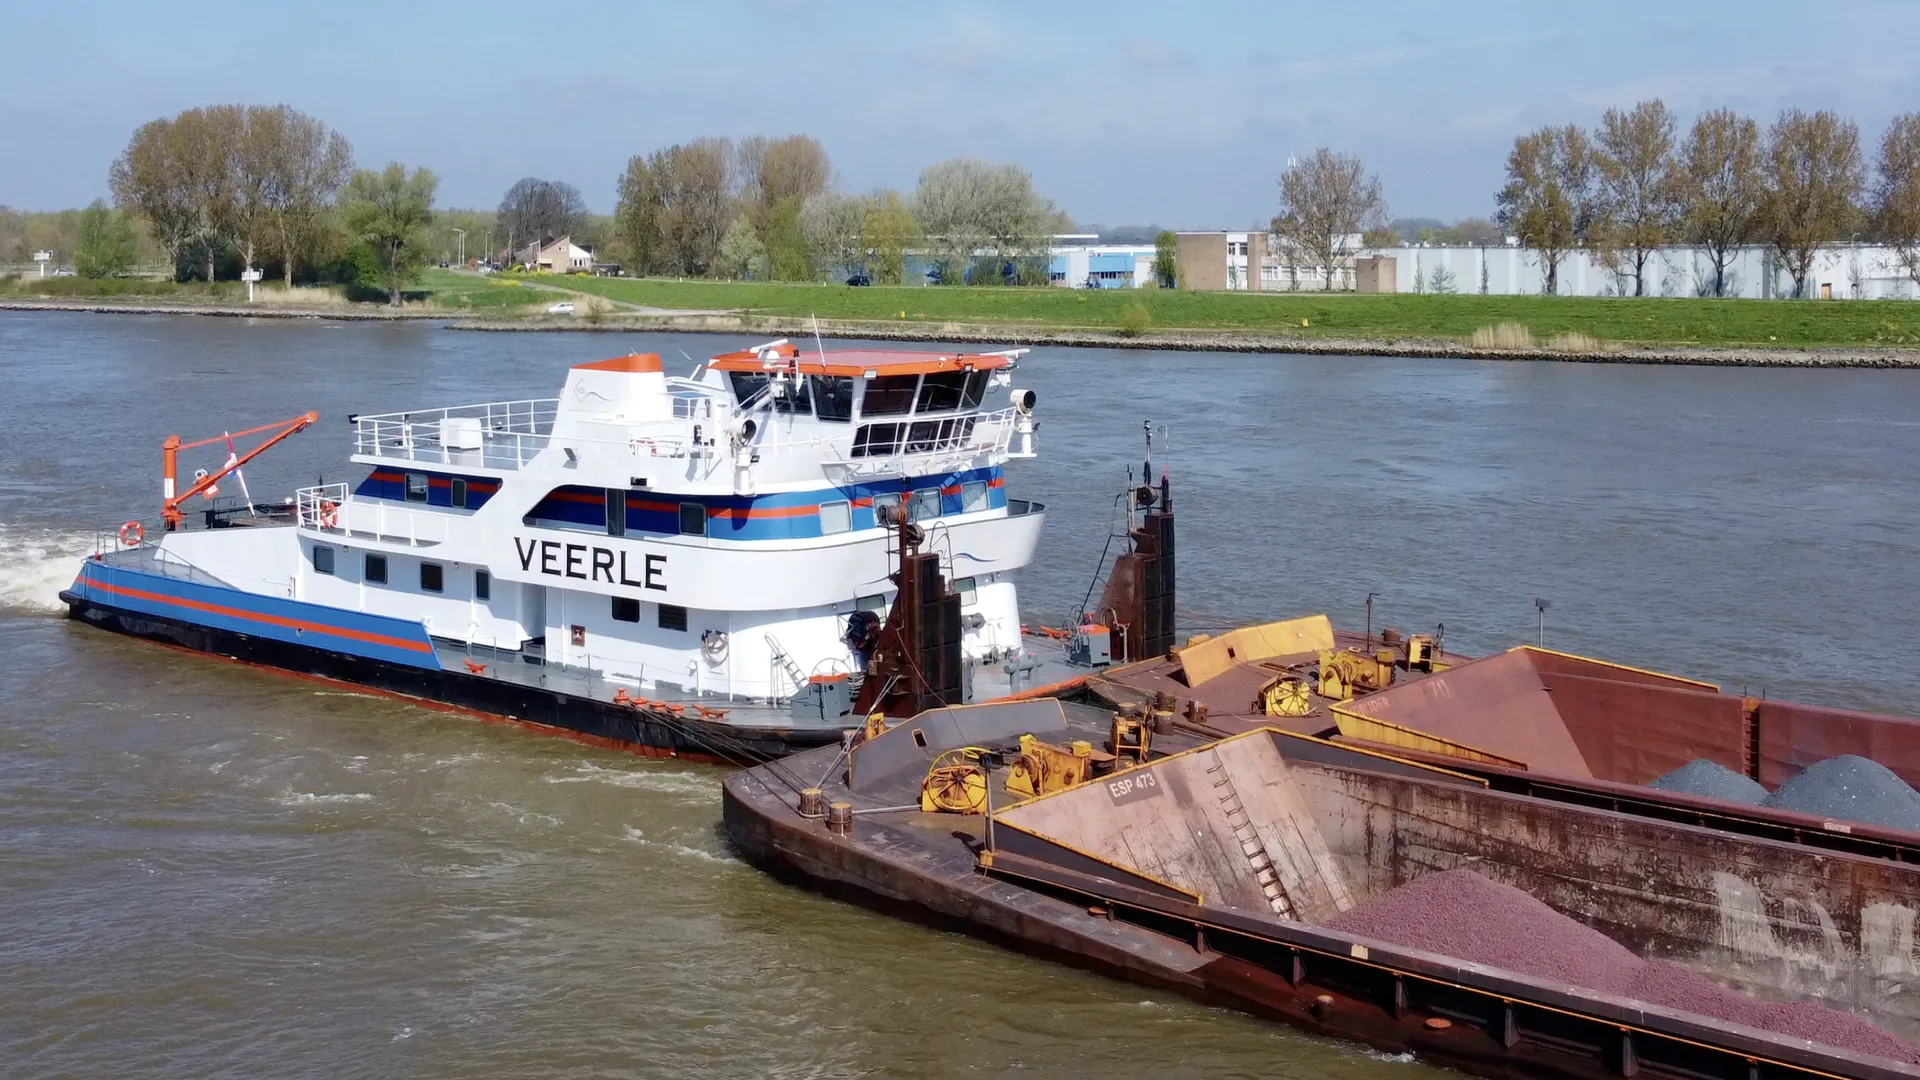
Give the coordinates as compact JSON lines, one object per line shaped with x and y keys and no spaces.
{"x":711,"y":535}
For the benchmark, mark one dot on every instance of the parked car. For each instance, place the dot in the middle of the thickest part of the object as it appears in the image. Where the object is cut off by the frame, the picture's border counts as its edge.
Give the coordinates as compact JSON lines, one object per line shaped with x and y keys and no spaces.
{"x":860,"y":278}
{"x":564,"y":307}
{"x":63,"y":273}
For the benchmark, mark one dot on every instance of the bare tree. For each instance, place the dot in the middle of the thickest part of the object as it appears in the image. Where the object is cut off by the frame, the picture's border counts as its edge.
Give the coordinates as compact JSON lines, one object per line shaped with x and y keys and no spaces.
{"x":693,"y":205}
{"x":1633,"y":152}
{"x":1720,"y":187}
{"x":1326,"y":203}
{"x":834,"y":225}
{"x":968,"y":207}
{"x":1896,"y":192}
{"x":534,"y":209}
{"x":1548,"y":201}
{"x":1813,"y":177}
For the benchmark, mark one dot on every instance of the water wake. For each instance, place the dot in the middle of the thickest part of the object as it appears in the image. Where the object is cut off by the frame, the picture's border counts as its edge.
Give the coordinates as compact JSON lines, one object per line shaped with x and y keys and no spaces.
{"x":36,"y":563}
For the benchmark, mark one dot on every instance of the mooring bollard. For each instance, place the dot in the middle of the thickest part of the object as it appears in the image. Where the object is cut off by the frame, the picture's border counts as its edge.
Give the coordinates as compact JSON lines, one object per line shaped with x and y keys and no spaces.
{"x":812,"y":803}
{"x":840,"y":818}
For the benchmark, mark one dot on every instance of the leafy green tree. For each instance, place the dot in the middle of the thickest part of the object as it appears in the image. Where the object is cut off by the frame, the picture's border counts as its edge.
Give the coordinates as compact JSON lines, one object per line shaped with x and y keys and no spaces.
{"x":787,"y":242}
{"x":387,"y":214}
{"x":106,"y":245}
{"x":1549,"y":200}
{"x":1166,"y":262}
{"x":742,"y":255}
{"x":890,"y":232}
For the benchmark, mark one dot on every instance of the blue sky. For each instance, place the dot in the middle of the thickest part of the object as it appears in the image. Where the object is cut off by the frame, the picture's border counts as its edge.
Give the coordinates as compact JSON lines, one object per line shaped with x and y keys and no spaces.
{"x":1176,"y":114}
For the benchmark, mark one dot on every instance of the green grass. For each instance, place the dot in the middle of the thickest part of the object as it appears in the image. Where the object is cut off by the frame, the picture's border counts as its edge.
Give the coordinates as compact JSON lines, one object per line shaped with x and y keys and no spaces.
{"x":490,"y":294}
{"x":1650,"y":321}
{"x":79,"y":288}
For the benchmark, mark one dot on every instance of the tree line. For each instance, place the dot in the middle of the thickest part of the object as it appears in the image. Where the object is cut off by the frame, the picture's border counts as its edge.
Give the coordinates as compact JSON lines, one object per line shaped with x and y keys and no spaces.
{"x":1632,"y":185}
{"x":767,"y":208}
{"x":247,"y":186}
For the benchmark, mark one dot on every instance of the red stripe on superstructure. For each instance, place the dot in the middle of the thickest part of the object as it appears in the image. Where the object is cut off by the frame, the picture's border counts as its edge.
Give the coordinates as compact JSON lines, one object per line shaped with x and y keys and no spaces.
{"x":388,"y":477}
{"x":954,"y":490}
{"x":998,"y":481}
{"x":484,"y":488}
{"x":865,"y":500}
{"x":578,"y":496}
{"x":743,"y":513}
{"x":271,"y":620}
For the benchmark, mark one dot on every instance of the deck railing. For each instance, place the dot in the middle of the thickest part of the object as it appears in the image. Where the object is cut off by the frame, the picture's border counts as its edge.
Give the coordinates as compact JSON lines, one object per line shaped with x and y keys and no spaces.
{"x":494,"y":435}
{"x":990,"y":436}
{"x":332,"y":510}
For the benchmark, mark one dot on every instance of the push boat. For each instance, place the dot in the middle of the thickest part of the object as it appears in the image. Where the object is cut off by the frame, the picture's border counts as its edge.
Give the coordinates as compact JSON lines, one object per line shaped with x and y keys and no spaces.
{"x":728,"y":566}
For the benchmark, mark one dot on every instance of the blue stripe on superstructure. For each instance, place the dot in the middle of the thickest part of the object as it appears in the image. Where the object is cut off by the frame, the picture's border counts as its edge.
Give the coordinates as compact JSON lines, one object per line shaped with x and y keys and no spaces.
{"x":388,"y":483}
{"x":277,"y":618}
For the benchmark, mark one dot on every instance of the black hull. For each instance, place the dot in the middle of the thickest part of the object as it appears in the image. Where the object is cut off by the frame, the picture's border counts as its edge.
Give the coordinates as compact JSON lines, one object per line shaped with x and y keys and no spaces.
{"x":600,"y":723}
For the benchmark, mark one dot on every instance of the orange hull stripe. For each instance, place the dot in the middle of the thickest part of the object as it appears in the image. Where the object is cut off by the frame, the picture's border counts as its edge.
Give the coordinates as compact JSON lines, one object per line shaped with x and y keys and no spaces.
{"x":271,"y":620}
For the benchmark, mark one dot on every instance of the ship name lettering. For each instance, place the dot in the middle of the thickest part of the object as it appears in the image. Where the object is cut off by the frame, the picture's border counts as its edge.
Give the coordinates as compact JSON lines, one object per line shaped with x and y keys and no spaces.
{"x":585,"y":562}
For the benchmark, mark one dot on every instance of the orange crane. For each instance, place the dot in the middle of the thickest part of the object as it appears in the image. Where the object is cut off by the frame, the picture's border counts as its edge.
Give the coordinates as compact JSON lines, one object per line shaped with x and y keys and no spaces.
{"x":170,"y":462}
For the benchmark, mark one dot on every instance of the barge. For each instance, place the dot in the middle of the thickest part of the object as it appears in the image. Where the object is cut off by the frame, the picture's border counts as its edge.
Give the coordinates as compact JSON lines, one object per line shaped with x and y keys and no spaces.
{"x":730,"y":565}
{"x":1213,"y":866}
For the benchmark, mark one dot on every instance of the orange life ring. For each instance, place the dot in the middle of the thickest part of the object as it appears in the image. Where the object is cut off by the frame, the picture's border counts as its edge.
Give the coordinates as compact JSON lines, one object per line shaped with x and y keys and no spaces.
{"x":131,"y":534}
{"x":329,"y":515}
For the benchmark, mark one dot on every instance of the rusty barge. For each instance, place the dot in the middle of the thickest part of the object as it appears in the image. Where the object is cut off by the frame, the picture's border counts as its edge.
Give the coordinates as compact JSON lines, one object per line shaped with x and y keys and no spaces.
{"x":1207,"y":820}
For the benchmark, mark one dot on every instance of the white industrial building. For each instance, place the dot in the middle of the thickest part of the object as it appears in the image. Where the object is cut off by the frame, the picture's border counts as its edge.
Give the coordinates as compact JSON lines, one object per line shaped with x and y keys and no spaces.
{"x":1841,"y":272}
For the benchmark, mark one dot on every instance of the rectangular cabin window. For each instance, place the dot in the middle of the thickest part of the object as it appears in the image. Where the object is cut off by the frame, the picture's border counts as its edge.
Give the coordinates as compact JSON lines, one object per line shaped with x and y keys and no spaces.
{"x":941,"y":391}
{"x":877,"y":440}
{"x":973,"y":496}
{"x":922,"y":436}
{"x":787,"y":396}
{"x":693,"y":519}
{"x":968,"y":589}
{"x":433,"y":577}
{"x":881,"y":502}
{"x":889,"y":395}
{"x":926,"y":504}
{"x":458,"y":494}
{"x":975,"y":391}
{"x":626,"y":609}
{"x":416,"y":487}
{"x":833,"y":398}
{"x":876,"y":603}
{"x":376,"y":570}
{"x":835,"y":517}
{"x":616,"y":512}
{"x":482,"y":585}
{"x":673,"y":617}
{"x":322,"y":559}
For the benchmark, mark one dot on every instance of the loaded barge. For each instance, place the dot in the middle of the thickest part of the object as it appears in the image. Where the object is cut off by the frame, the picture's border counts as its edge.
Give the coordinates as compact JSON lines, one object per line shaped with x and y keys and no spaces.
{"x":1373,"y":839}
{"x":729,"y":566}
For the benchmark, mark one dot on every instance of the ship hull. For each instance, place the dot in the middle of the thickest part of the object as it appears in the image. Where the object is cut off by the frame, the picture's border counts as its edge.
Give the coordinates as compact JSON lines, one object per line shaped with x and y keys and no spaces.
{"x":599,"y":723}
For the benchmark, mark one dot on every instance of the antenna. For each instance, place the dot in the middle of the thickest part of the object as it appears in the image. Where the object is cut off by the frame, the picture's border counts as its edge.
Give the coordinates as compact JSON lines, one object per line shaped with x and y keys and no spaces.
{"x":822,"y":349}
{"x":1146,"y":474}
{"x":1540,"y":606}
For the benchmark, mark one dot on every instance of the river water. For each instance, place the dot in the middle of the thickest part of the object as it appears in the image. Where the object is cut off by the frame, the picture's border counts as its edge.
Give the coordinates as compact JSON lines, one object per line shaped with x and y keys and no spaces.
{"x":207,"y":870}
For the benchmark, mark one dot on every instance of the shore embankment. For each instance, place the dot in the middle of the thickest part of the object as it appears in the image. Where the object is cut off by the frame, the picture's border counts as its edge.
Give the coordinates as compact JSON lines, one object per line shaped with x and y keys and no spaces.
{"x":630,"y":320}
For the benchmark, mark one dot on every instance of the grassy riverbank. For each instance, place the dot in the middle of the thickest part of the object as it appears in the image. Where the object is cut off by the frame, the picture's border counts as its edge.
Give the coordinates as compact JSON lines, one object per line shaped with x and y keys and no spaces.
{"x":1542,"y":325}
{"x":1623,"y":321}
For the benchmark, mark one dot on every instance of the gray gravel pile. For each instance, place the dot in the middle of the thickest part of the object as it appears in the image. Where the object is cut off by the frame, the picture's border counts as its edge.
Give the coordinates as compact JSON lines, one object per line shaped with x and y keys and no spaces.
{"x":1465,"y":916}
{"x":1711,"y":780}
{"x":1851,"y":788}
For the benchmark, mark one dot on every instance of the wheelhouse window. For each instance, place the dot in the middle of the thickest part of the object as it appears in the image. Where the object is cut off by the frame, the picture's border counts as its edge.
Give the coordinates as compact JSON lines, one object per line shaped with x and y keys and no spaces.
{"x":788,"y":396}
{"x":889,"y":395}
{"x":626,"y":609}
{"x":924,"y":435}
{"x":835,"y":517}
{"x":616,"y":512}
{"x":433,"y":577}
{"x":975,"y":390}
{"x":416,"y":487}
{"x":673,"y":617}
{"x":458,"y":493}
{"x":322,"y":559}
{"x":877,"y":440}
{"x":482,"y":585}
{"x":833,"y":398}
{"x":376,"y":573}
{"x":693,"y":519}
{"x":942,"y":391}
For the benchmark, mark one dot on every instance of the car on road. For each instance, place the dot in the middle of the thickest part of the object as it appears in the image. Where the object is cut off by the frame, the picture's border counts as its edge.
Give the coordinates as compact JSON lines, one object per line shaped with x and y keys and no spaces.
{"x":564,"y":307}
{"x":860,"y":278}
{"x":63,"y":273}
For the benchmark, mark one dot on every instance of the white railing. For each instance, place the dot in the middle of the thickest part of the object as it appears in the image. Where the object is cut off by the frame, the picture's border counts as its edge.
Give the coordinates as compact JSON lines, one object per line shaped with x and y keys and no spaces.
{"x":992,"y":432}
{"x":494,"y":435}
{"x":331,"y":510}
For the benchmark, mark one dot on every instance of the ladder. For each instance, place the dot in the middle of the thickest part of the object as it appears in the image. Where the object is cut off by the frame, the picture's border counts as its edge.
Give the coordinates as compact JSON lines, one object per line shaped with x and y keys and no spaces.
{"x":786,"y":663}
{"x":1248,"y":838}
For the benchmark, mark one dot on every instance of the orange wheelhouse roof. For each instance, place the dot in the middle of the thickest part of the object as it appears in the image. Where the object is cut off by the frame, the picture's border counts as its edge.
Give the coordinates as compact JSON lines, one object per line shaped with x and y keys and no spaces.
{"x":858,"y":362}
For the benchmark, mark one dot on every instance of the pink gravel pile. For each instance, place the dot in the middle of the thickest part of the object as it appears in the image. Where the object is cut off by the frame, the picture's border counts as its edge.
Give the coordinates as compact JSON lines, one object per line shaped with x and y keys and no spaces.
{"x":1465,"y":916}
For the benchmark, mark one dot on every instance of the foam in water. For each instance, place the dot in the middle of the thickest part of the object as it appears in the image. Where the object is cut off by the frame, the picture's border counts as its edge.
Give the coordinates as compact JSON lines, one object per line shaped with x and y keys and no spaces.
{"x":36,"y":563}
